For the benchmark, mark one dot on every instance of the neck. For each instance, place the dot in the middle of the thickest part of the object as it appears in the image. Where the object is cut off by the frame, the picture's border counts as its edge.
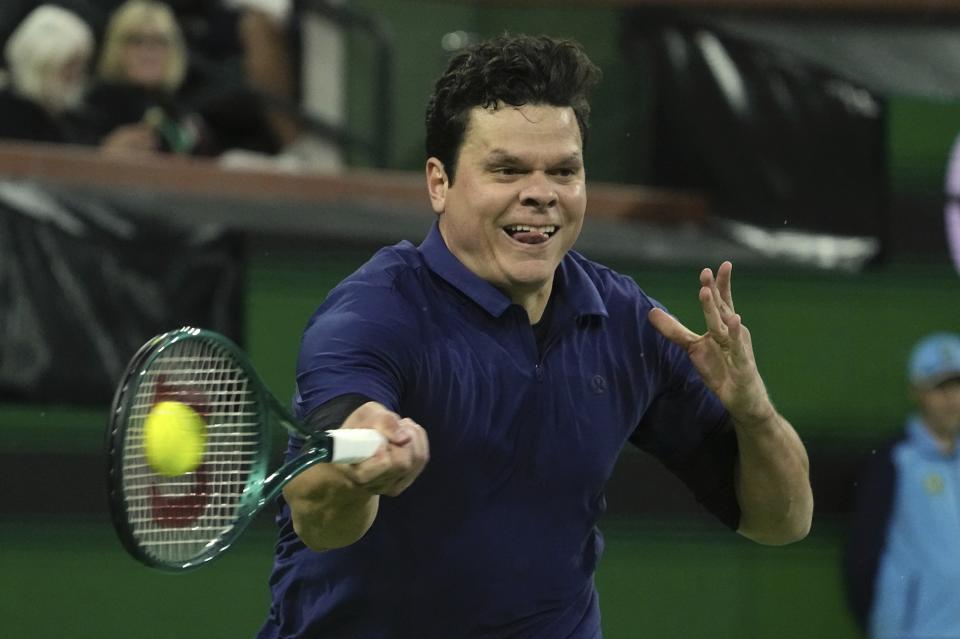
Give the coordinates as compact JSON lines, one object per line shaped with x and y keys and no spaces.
{"x":945,"y":438}
{"x":533,"y":302}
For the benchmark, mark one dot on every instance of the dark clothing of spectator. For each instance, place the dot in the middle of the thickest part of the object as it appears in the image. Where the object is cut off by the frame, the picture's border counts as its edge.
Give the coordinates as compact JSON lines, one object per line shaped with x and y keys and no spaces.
{"x":178,"y":130}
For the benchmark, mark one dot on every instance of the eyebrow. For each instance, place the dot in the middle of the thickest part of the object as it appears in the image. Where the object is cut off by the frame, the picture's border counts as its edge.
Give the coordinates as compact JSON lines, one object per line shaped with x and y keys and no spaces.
{"x":502,"y":156}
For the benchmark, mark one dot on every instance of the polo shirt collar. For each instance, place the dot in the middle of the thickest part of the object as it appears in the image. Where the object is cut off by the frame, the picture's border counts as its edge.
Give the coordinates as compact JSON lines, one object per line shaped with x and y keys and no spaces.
{"x":572,"y":287}
{"x":445,"y":264}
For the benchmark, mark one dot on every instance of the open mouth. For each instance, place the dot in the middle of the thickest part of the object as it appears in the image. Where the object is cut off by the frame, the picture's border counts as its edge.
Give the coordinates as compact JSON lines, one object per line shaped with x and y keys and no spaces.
{"x":527,"y":234}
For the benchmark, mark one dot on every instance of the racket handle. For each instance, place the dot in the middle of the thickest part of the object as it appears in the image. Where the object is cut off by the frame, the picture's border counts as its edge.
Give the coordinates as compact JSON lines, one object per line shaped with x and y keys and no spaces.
{"x":352,"y":445}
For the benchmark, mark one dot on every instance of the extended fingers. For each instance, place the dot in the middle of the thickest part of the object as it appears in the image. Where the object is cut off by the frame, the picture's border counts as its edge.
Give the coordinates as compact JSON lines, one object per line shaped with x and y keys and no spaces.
{"x":671,"y":328}
{"x":724,"y":288}
{"x":712,"y":314}
{"x":724,"y":284}
{"x":716,"y":300}
{"x":720,"y":287}
{"x":734,"y":325}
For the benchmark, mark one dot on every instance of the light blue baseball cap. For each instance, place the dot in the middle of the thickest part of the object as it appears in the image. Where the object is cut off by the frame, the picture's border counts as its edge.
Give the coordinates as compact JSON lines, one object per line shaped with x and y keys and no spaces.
{"x":934,"y":360}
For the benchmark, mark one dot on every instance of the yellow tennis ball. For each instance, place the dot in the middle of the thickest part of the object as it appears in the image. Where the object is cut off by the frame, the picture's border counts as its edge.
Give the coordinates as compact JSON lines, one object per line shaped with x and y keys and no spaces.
{"x":174,"y":437}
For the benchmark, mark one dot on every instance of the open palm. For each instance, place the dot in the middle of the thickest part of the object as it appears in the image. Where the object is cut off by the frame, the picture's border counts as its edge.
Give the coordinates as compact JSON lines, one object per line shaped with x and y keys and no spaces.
{"x":724,"y":354}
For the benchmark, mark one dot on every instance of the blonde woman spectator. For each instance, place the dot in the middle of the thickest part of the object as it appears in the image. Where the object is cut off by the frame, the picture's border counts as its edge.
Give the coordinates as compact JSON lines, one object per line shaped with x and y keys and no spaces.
{"x":143,"y":46}
{"x":134,"y":103}
{"x":47,"y":58}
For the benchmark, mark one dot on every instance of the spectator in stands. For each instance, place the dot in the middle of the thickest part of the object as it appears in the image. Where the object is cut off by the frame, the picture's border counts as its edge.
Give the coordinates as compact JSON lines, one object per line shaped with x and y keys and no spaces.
{"x":134,"y":105}
{"x":269,"y":39}
{"x":241,"y":84}
{"x":241,"y":65}
{"x":47,"y":58}
{"x":902,"y":565}
{"x":93,"y":12}
{"x":268,"y":60}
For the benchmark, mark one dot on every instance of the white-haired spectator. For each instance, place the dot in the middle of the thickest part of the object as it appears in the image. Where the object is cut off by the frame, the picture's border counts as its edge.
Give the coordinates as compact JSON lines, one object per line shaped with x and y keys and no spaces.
{"x":46,"y":59}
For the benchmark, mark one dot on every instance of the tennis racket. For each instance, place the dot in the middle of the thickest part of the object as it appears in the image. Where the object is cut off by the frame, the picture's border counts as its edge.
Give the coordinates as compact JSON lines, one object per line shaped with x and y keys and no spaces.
{"x":182,"y":522}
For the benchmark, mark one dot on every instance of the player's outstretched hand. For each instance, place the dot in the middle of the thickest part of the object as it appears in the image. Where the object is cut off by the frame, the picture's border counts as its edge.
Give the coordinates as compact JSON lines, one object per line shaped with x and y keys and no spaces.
{"x":395,"y":466}
{"x":724,"y":354}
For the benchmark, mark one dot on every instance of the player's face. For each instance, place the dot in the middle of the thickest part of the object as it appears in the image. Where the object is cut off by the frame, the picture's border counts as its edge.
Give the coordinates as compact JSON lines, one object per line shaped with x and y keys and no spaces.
{"x":940,"y":407}
{"x":518,"y":198}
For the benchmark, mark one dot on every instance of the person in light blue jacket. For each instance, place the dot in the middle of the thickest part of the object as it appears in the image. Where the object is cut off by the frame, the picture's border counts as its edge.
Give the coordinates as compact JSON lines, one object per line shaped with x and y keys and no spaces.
{"x":902,"y":558}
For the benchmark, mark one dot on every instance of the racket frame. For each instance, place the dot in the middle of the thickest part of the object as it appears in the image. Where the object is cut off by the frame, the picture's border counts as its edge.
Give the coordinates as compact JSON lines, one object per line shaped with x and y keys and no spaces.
{"x":258,"y":490}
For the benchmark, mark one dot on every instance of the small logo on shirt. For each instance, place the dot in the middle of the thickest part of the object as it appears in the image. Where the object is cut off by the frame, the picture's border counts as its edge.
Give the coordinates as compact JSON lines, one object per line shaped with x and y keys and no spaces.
{"x":598,"y":384}
{"x":933,"y":484}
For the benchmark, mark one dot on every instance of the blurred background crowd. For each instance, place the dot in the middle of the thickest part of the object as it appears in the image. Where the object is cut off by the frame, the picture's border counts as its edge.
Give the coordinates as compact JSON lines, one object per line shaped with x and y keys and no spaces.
{"x":186,"y":78}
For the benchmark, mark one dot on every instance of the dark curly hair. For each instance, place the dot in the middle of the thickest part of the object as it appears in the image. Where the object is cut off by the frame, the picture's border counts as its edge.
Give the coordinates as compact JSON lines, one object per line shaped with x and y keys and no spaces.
{"x":509,"y":69}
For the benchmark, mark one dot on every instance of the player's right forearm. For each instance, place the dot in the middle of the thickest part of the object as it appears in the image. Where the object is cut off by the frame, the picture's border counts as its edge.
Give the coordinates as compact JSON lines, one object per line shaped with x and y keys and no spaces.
{"x":328,"y":510}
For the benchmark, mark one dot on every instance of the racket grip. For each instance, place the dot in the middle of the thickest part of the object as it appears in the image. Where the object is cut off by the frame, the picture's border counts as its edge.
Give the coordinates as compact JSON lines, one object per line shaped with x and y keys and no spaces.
{"x":352,"y":445}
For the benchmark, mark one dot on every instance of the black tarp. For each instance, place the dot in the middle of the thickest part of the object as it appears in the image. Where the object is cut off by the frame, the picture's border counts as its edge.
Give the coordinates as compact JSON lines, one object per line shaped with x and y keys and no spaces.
{"x":83,"y":285}
{"x":773,"y":137}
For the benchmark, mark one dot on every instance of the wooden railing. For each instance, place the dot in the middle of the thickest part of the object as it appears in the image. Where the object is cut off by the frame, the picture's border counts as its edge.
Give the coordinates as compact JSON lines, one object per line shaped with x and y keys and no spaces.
{"x":198,"y":190}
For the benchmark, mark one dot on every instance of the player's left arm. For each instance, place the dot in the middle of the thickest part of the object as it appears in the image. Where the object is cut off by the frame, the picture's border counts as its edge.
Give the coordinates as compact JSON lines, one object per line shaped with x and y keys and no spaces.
{"x":773,"y":478}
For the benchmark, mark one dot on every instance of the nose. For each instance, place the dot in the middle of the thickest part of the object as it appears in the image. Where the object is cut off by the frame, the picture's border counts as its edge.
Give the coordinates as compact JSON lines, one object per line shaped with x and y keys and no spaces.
{"x":538,"y":192}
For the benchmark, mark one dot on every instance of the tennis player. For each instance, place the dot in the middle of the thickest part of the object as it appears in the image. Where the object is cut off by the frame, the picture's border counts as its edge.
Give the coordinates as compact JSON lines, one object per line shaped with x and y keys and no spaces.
{"x":519,"y":369}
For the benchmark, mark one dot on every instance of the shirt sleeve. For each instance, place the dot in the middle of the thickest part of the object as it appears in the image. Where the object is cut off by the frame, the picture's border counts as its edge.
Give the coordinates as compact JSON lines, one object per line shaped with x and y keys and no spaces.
{"x":328,"y":416}
{"x":689,"y":431}
{"x":331,"y":414}
{"x":358,"y":343}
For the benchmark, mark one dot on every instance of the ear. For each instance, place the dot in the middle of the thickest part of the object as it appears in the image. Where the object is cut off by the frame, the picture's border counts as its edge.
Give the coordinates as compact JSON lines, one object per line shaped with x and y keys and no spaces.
{"x":437,"y":184}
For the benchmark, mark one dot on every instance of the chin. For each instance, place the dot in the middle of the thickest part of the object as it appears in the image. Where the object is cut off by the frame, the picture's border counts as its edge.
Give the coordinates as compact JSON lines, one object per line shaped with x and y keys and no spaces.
{"x":530,"y":279}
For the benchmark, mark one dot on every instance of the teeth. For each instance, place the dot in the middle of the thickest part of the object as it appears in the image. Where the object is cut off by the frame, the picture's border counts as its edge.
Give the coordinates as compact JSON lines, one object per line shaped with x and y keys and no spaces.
{"x":546,"y":230}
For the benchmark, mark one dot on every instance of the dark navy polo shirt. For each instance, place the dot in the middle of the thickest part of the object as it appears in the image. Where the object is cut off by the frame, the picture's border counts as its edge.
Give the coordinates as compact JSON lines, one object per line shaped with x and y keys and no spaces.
{"x":497,"y":537}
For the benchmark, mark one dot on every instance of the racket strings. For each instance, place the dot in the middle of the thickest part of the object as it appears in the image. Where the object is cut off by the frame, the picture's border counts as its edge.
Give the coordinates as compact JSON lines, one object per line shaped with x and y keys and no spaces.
{"x":179,"y":519}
